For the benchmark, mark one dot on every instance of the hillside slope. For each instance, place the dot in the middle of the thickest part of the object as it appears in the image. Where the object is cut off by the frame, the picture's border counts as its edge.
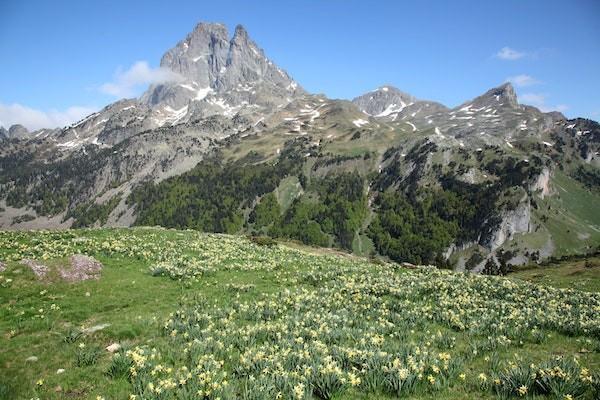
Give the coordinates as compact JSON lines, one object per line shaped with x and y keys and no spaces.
{"x":219,"y":316}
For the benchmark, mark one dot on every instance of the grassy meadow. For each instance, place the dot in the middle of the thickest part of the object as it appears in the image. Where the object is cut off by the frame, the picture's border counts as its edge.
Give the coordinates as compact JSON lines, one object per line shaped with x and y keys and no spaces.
{"x":207,"y":316}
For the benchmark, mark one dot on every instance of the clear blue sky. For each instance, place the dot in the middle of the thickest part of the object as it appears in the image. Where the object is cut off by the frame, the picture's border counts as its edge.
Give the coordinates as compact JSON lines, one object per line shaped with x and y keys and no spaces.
{"x":57,"y":54}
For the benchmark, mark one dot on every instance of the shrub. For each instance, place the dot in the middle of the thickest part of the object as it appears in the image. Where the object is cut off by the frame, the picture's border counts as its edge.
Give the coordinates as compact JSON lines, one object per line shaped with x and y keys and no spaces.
{"x":263,"y":241}
{"x":119,"y":366}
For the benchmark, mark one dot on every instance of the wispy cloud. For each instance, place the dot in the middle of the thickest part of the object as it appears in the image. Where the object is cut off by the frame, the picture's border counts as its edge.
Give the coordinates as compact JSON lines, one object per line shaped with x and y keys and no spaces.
{"x":522,"y":80}
{"x":128,"y":83}
{"x":33,"y":119}
{"x":540,"y":101}
{"x":507,"y":53}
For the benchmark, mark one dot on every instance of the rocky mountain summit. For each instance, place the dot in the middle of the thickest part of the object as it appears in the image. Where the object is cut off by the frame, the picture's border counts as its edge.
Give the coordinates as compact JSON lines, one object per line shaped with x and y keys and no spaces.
{"x":226,"y":74}
{"x":211,"y":74}
{"x":231,"y":143}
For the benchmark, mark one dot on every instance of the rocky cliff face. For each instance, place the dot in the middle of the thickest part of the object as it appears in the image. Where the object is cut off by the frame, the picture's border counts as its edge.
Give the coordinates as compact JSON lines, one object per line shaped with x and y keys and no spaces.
{"x":224,"y":73}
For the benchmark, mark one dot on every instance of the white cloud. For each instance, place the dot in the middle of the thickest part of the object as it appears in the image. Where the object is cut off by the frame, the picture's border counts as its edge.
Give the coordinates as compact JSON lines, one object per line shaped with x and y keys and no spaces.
{"x":140,"y":74}
{"x":539,"y":100}
{"x":533,"y":98}
{"x":506,"y":53}
{"x":522,"y":80}
{"x":33,"y":119}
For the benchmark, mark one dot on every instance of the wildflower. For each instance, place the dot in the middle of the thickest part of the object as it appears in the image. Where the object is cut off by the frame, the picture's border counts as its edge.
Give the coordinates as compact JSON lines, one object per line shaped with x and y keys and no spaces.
{"x":482,"y":377}
{"x":299,"y":391}
{"x":431,"y":379}
{"x":403,"y":373}
{"x":522,"y":390}
{"x":463,"y":376}
{"x":40,"y":382}
{"x":568,"y":397}
{"x":354,"y":380}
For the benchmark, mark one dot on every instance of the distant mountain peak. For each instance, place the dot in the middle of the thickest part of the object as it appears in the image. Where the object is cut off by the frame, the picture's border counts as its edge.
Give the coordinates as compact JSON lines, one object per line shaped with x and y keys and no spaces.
{"x":504,"y":94}
{"x":386,"y":98}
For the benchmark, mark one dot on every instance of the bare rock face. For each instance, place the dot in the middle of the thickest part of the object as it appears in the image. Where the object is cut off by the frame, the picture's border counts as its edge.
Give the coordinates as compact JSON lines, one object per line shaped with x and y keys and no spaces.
{"x":542,"y":184}
{"x":40,"y":270}
{"x":220,"y":75}
{"x":515,"y":221}
{"x":81,"y":268}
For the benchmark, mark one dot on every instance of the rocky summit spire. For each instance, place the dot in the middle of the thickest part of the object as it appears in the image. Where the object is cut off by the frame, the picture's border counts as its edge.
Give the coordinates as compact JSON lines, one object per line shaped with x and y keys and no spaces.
{"x":201,"y":55}
{"x":209,"y":63}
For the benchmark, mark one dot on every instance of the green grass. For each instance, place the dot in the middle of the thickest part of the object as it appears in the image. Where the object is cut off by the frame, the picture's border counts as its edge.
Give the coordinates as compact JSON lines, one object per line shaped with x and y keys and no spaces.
{"x":573,"y":217}
{"x":567,"y":275}
{"x":287,"y":191}
{"x":258,"y":309}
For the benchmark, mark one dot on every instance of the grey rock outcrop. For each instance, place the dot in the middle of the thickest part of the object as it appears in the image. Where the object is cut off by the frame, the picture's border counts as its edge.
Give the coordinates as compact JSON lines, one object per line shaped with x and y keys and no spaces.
{"x":39,"y":270}
{"x":18,"y":131}
{"x":512,"y":222}
{"x":81,"y":268}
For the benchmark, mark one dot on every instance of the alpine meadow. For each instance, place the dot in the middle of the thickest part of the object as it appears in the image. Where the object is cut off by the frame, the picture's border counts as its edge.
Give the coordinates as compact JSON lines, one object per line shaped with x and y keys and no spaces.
{"x":225,"y":233}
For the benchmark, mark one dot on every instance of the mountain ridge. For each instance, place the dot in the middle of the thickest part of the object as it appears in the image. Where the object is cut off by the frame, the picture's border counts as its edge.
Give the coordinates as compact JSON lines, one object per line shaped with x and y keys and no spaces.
{"x":230,"y":117}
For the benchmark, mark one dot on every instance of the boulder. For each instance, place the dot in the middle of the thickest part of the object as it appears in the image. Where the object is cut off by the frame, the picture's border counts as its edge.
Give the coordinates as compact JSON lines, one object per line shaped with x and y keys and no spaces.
{"x":81,"y":268}
{"x":40,"y":270}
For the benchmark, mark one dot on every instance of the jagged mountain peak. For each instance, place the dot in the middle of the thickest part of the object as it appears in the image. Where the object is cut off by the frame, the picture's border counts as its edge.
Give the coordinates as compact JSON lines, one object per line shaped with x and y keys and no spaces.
{"x":383,"y":100}
{"x":210,"y":63}
{"x":504,"y":94}
{"x":240,"y":35}
{"x":213,"y":74}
